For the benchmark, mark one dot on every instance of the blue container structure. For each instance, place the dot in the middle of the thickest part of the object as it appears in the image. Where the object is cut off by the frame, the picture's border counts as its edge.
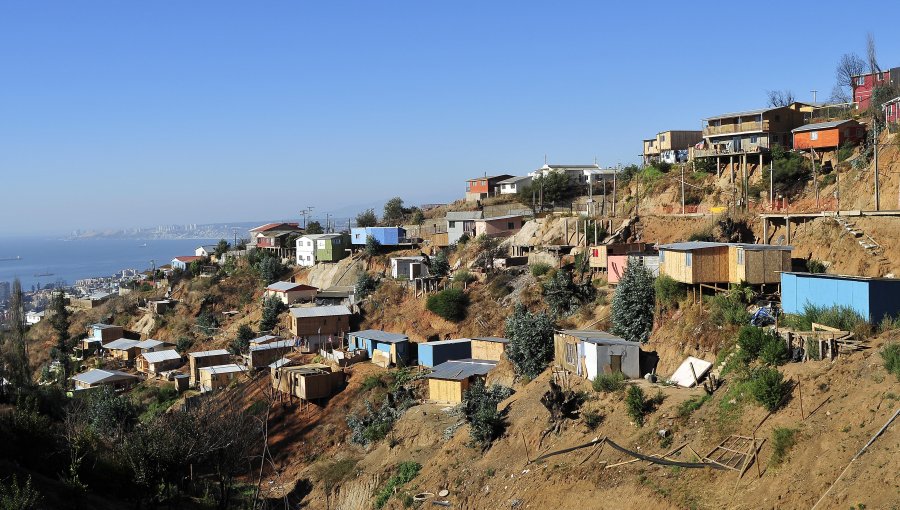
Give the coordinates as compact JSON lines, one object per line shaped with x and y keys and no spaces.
{"x":373,"y":339}
{"x":387,"y":236}
{"x":873,"y":298}
{"x":432,"y":354}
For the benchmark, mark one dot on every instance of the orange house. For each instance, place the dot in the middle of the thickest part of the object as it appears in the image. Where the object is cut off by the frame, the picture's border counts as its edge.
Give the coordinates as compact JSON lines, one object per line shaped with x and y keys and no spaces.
{"x":828,"y":135}
{"x":483,"y":187}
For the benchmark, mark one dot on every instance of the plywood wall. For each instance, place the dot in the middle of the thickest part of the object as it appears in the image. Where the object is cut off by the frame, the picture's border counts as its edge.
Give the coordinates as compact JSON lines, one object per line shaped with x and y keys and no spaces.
{"x":487,"y":350}
{"x":441,"y":390}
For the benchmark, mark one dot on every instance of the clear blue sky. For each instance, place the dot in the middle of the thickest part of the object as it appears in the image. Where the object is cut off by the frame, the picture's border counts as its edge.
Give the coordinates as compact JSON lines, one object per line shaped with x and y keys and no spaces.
{"x":137,"y":113}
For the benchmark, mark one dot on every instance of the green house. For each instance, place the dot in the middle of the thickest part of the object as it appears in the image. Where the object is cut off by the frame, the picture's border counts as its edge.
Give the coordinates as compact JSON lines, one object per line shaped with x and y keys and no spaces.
{"x":313,"y":248}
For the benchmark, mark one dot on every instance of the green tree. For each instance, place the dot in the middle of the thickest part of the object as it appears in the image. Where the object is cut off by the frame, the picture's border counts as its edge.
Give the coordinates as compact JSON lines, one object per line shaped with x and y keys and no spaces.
{"x":269,"y":269}
{"x":555,"y":187}
{"x":207,"y":322}
{"x":59,"y":320}
{"x":633,"y":304}
{"x":366,"y":218}
{"x":393,"y":212}
{"x":242,"y":341}
{"x":314,"y":227}
{"x":440,"y":265}
{"x":365,"y":285}
{"x":485,"y":421}
{"x":373,"y":246}
{"x":195,"y":267}
{"x":449,"y":303}
{"x":564,"y":296}
{"x":418,"y":217}
{"x":15,"y":351}
{"x":530,"y":341}
{"x":222,"y":248}
{"x":668,"y":291}
{"x":272,"y":308}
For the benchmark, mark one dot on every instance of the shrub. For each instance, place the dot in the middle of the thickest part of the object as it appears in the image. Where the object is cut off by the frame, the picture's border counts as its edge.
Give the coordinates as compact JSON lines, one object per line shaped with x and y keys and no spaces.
{"x":463,"y":276}
{"x":449,"y":303}
{"x":272,"y":308}
{"x":406,"y":471}
{"x":768,"y":387}
{"x":184,"y":344}
{"x":242,"y":341}
{"x":540,"y":269}
{"x":563,"y":296}
{"x":19,"y":497}
{"x":608,"y":383}
{"x":668,"y":291}
{"x":690,"y":405}
{"x":636,"y":404}
{"x":207,"y":322}
{"x":751,"y":340}
{"x":486,"y":423}
{"x":774,"y":350}
{"x":633,"y":304}
{"x":891,"y":356}
{"x":366,"y":218}
{"x":269,"y":268}
{"x":592,"y":419}
{"x":815,"y":266}
{"x":783,"y":439}
{"x":727,"y":310}
{"x":840,"y":317}
{"x":373,"y":246}
{"x":333,"y":473}
{"x":530,"y":346}
{"x":812,"y":349}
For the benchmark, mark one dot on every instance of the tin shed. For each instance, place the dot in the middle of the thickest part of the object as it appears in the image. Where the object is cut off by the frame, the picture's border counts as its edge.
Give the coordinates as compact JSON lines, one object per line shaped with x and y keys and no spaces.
{"x":591,"y":352}
{"x":449,"y":381}
{"x":873,"y":298}
{"x":394,"y":345}
{"x":434,"y":353}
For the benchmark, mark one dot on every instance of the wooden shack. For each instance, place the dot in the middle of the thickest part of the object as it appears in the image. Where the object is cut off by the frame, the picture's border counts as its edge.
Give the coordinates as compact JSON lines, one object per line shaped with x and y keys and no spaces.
{"x":597,"y":255}
{"x":200,"y":359}
{"x":590,"y":352}
{"x":317,"y":325}
{"x":384,"y":348}
{"x":260,"y":356}
{"x":448,"y":382}
{"x":123,"y":349}
{"x":699,"y":262}
{"x":307,"y":382}
{"x":156,"y":362}
{"x":216,"y":377}
{"x":757,"y":264}
{"x":489,"y":348}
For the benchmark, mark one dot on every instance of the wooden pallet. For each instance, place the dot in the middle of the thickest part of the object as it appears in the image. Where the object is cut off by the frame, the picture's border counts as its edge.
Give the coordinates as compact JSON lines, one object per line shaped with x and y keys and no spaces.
{"x":735,"y":453}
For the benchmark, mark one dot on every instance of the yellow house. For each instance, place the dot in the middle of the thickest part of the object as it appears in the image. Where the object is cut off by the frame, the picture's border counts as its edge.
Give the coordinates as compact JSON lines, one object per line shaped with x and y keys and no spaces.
{"x":218,"y":376}
{"x":700,"y":262}
{"x":448,"y":382}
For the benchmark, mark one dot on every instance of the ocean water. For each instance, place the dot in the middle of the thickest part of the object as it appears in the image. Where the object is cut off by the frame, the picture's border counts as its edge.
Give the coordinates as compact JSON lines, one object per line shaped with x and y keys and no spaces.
{"x":70,"y":260}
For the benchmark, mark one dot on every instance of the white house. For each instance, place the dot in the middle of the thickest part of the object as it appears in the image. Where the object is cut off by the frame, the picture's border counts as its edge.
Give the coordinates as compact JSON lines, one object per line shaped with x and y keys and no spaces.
{"x":514,"y":185}
{"x":207,"y":250}
{"x":409,"y":268}
{"x":306,"y":251}
{"x":33,"y":317}
{"x":184,"y":261}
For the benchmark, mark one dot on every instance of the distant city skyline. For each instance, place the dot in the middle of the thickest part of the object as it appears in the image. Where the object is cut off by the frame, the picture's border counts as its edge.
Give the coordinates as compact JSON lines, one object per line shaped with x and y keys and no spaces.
{"x":124,"y":114}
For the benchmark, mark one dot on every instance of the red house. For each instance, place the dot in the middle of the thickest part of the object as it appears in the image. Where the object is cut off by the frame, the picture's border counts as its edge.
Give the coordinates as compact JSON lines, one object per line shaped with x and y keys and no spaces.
{"x":483,"y":187}
{"x":864,"y":84}
{"x":892,"y":110}
{"x":277,"y":237}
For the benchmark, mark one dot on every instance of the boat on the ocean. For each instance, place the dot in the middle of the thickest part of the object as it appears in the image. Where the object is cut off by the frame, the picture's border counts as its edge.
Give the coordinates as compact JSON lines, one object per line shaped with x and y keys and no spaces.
{"x":43,"y":274}
{"x":6,"y":259}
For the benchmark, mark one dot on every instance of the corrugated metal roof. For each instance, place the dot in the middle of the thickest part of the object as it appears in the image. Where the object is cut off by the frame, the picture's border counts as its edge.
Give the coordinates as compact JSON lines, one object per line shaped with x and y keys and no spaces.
{"x":460,"y":369}
{"x":224,"y":369}
{"x":742,"y":114}
{"x":280,"y":363}
{"x":320,"y":311}
{"x":821,"y":125}
{"x":281,"y":344}
{"x":121,"y":344}
{"x":513,"y":180}
{"x":264,"y":339}
{"x":149,"y":343}
{"x":464,"y":215}
{"x":691,"y":245}
{"x":446,"y":342}
{"x":504,"y":217}
{"x":104,"y":326}
{"x":287,"y":286}
{"x":492,"y":339}
{"x":842,"y":276}
{"x":595,"y":336}
{"x":96,"y":375}
{"x":157,"y":356}
{"x":380,"y":336}
{"x":316,"y":237}
{"x":204,"y":354}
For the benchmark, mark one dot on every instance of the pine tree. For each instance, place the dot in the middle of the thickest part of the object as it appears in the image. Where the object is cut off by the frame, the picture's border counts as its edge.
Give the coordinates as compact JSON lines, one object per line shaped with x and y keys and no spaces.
{"x":530,"y":341}
{"x":440,"y":266}
{"x":633,"y":304}
{"x":17,"y":351}
{"x":59,"y":319}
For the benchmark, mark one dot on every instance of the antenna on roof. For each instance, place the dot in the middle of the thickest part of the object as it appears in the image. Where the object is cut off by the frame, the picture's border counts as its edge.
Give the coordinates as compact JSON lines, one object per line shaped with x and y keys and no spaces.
{"x":545,"y":158}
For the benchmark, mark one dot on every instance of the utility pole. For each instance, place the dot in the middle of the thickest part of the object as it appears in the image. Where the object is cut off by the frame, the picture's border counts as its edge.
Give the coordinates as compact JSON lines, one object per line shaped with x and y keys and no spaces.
{"x":614,"y":191}
{"x":682,"y":189}
{"x":305,"y":213}
{"x":815,"y":176}
{"x":875,"y":142}
{"x":772,"y":184}
{"x":234,"y":233}
{"x":814,"y":95}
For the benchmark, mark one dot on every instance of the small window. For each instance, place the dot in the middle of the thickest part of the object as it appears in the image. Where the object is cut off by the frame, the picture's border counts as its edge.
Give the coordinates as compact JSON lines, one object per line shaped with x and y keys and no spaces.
{"x":754,"y":139}
{"x":740,"y":256}
{"x":860,"y":81}
{"x":510,"y":225}
{"x":571,"y":354}
{"x":688,"y":259}
{"x":814,"y":135}
{"x":451,"y":224}
{"x":662,"y":256}
{"x":662,"y":138}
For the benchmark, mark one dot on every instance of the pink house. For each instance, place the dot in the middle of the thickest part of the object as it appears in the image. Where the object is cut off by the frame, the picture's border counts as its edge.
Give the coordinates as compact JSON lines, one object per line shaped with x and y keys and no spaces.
{"x":615,"y":267}
{"x":499,"y":226}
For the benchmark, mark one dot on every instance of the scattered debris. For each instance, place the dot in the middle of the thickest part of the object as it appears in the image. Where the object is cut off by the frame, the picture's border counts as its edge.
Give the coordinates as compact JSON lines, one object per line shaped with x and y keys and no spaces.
{"x":690,"y":372}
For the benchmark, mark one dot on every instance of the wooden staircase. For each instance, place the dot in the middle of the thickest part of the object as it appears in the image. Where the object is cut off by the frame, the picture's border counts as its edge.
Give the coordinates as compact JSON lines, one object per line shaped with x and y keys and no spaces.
{"x":866,"y":242}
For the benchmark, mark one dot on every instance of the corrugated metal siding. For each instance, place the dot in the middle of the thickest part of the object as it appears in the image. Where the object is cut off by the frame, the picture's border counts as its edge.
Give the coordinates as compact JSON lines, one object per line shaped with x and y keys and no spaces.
{"x":884,"y":299}
{"x":797,"y":290}
{"x":433,"y":354}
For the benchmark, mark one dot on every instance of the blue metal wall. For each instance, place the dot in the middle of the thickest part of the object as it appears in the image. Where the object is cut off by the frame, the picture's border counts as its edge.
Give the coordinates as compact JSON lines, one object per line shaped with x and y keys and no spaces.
{"x":798,"y":289}
{"x":432,"y":354}
{"x":884,"y":299}
{"x":387,"y":236}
